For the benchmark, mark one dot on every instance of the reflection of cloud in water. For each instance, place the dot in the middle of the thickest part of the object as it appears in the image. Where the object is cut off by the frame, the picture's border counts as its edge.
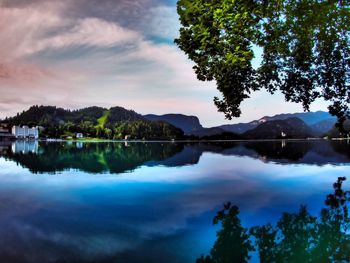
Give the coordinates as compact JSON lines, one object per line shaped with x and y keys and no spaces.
{"x":150,"y":212}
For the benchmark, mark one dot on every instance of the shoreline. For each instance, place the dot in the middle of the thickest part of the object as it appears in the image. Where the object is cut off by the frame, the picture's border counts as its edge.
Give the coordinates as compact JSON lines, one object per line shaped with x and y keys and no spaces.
{"x":183,"y":141}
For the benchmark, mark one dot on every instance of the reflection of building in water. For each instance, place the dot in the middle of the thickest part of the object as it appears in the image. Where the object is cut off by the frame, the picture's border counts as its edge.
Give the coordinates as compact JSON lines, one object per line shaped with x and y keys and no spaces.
{"x":25,"y":132}
{"x":79,"y":145}
{"x":283,"y":143}
{"x":25,"y":147}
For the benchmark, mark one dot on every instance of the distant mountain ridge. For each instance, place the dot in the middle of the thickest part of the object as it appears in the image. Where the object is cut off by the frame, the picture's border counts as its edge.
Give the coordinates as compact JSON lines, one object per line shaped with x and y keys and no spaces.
{"x":310,"y":118}
{"x":319,"y":122}
{"x":41,"y":115}
{"x":94,"y":122}
{"x":281,"y":129}
{"x":99,"y":120}
{"x":189,"y":124}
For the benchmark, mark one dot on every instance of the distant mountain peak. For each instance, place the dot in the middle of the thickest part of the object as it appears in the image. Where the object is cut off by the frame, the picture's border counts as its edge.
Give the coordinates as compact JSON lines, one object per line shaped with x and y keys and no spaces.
{"x":189,"y":124}
{"x":317,"y":123}
{"x":278,"y":129}
{"x":321,"y":120}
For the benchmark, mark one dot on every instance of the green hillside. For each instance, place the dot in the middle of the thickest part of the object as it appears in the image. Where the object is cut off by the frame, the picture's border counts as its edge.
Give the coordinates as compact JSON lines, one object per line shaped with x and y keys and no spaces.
{"x":102,"y":120}
{"x":94,"y":122}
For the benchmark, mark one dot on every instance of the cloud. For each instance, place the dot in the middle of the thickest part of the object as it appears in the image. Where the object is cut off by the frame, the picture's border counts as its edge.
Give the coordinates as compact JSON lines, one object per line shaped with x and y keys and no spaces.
{"x":18,"y":29}
{"x":163,"y":22}
{"x":121,"y":50}
{"x":81,"y":54}
{"x":25,"y":72}
{"x":89,"y":32}
{"x":71,"y":51}
{"x":28,"y":30}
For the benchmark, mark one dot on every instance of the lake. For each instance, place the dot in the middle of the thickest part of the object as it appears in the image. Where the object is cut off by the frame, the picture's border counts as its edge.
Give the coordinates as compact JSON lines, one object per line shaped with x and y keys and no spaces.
{"x":152,"y":201}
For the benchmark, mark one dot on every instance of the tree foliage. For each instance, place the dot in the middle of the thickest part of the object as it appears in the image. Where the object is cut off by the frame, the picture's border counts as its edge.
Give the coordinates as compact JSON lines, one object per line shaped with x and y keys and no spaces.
{"x":305,"y":44}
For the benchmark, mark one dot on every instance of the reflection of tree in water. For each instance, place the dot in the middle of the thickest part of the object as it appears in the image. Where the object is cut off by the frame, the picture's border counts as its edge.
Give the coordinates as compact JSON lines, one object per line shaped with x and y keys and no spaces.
{"x":297,"y":237}
{"x":232,"y":240}
{"x":118,"y":157}
{"x":94,"y":157}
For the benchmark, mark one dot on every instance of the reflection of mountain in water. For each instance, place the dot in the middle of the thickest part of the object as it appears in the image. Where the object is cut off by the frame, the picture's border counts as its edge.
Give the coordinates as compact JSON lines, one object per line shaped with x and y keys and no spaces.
{"x":92,"y":157}
{"x":319,"y":152}
{"x":121,"y":157}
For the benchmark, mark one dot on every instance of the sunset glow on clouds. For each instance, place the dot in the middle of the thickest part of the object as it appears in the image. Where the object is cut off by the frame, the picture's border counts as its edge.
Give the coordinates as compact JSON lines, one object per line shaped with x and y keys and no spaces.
{"x":78,"y":53}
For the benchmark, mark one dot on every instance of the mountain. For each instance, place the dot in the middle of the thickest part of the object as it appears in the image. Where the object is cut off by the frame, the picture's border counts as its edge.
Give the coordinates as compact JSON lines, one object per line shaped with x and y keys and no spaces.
{"x":323,"y":127}
{"x":119,"y":114}
{"x":117,"y":122}
{"x":189,"y":124}
{"x":97,"y":122}
{"x":321,"y":121}
{"x":335,"y":133}
{"x":37,"y":115}
{"x":277,"y":129}
{"x":207,"y":132}
{"x":239,"y":128}
{"x":49,"y":115}
{"x":310,"y":118}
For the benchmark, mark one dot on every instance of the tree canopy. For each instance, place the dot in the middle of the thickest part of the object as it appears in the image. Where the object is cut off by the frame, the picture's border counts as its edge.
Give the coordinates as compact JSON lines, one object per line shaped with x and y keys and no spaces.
{"x":305,"y":49}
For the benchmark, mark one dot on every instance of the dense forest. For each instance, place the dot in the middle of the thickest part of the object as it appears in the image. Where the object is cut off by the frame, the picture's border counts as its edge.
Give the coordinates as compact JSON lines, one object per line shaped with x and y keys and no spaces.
{"x":94,"y":122}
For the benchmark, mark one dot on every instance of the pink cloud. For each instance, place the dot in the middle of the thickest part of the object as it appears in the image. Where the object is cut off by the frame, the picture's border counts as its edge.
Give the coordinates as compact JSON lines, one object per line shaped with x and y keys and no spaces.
{"x":22,"y":72}
{"x":22,"y":27}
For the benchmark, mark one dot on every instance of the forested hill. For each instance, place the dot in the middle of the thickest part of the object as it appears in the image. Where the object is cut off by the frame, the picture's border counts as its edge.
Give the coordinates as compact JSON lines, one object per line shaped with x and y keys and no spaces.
{"x":189,"y":124}
{"x":51,"y":115}
{"x":99,"y":122}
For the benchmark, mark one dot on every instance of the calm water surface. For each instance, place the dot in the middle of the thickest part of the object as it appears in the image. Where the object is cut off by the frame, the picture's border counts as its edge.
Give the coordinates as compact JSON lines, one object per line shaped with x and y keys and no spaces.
{"x":151,"y":202}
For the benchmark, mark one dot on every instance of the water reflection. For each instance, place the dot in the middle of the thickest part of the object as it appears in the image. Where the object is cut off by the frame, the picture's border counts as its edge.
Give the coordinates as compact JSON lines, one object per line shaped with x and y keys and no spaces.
{"x":296,"y":237}
{"x":120,"y":157}
{"x":25,"y":147}
{"x":88,"y":157}
{"x":159,"y":212}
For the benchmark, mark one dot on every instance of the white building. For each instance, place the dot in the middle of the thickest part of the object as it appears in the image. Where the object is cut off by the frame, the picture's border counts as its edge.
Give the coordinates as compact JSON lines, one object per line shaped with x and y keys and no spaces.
{"x":25,"y":132}
{"x":79,"y":135}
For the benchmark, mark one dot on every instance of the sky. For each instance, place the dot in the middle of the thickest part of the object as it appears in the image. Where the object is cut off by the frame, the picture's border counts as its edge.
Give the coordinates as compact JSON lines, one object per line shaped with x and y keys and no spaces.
{"x":79,"y":53}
